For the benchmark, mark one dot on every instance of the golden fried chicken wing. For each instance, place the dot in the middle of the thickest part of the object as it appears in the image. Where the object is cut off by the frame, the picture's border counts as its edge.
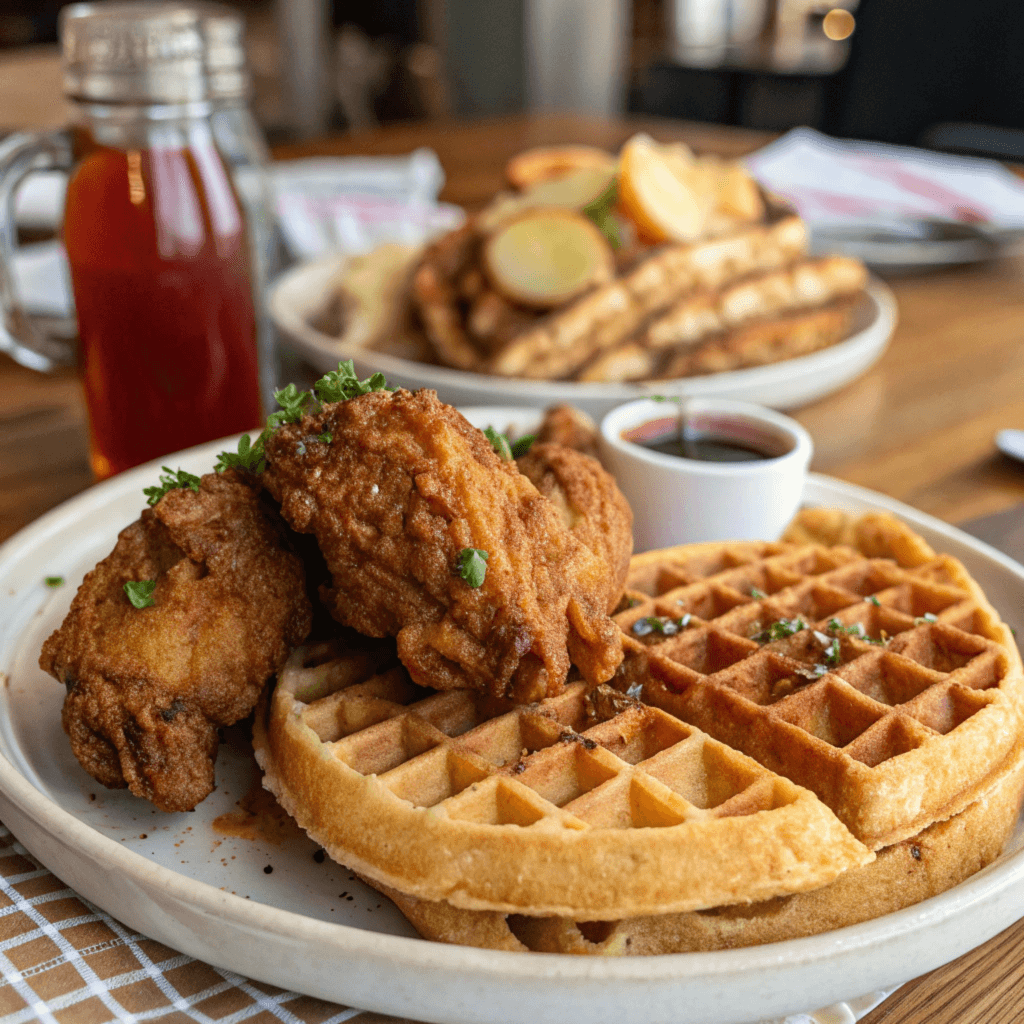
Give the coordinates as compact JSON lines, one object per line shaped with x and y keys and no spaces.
{"x":397,"y":493}
{"x":590,"y":503}
{"x":148,"y":687}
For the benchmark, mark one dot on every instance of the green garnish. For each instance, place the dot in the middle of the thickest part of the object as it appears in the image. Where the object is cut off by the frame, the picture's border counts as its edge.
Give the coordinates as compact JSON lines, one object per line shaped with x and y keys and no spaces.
{"x":661,"y":624}
{"x":757,"y":595}
{"x":874,"y":600}
{"x":780,"y":630}
{"x":523,"y":445}
{"x":170,"y":480}
{"x":473,"y":566}
{"x":249,"y":458}
{"x":506,"y":449}
{"x":812,"y":673}
{"x":342,"y":384}
{"x":336,"y":386}
{"x":928,"y":617}
{"x":140,"y":592}
{"x":293,"y":404}
{"x":499,"y":442}
{"x":857,"y":630}
{"x":54,"y":581}
{"x":599,"y":210}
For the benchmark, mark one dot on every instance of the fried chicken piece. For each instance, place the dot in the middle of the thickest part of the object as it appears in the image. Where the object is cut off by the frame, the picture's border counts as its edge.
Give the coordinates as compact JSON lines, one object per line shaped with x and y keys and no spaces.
{"x":570,"y":427}
{"x":147,"y":688}
{"x":590,"y":503}
{"x":401,"y":489}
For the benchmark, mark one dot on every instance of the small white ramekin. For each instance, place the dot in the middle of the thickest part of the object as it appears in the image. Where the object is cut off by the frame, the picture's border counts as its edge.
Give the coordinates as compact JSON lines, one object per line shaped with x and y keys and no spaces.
{"x":682,"y":501}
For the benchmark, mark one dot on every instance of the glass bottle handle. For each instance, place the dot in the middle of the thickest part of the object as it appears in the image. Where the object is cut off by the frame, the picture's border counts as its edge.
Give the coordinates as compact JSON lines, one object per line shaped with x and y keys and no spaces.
{"x":20,"y":338}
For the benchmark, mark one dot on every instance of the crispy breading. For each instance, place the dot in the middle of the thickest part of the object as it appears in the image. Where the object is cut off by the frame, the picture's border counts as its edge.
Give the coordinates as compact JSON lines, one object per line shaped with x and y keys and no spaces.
{"x":402,"y":488}
{"x":590,"y":504}
{"x":148,"y":688}
{"x":570,"y":427}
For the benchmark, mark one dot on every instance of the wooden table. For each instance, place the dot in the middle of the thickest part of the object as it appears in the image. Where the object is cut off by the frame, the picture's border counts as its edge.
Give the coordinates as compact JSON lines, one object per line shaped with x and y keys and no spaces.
{"x":918,"y":426}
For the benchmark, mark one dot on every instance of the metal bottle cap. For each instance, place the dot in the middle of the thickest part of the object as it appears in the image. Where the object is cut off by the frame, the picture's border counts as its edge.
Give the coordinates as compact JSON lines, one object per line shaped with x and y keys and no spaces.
{"x":152,"y":52}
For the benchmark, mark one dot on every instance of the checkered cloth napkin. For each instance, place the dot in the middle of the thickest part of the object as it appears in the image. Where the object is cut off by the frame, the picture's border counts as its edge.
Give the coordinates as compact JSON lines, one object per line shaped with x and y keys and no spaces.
{"x":64,"y":961}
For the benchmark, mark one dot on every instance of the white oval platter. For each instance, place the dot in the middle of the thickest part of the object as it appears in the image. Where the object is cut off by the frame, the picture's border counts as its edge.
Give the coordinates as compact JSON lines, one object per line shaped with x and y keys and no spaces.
{"x":296,"y":297}
{"x":310,"y":927}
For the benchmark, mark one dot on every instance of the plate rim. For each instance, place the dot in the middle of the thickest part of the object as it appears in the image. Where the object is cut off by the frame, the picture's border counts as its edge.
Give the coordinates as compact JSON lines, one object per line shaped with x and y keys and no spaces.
{"x":402,"y":951}
{"x":867,"y":343}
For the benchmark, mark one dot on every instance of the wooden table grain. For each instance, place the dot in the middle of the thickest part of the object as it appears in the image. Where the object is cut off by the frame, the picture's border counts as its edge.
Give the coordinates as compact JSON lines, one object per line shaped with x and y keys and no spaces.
{"x":918,"y":426}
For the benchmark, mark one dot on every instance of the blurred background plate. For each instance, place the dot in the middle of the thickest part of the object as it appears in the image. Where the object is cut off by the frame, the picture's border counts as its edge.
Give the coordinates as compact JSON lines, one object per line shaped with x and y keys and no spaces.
{"x":300,"y":295}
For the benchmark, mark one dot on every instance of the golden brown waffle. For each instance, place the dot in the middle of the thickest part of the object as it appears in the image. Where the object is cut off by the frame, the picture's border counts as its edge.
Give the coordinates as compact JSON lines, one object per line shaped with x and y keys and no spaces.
{"x":763,"y":318}
{"x":942,"y":856}
{"x":583,"y":805}
{"x":473,"y":328}
{"x":899,"y":702}
{"x":562,"y":343}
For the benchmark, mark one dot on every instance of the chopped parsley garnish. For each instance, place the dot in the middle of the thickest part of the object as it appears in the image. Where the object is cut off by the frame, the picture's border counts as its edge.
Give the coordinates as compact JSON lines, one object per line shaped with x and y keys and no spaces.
{"x":140,"y":592}
{"x":337,"y":386}
{"x":249,"y":458}
{"x":757,"y":595}
{"x":661,"y":624}
{"x":499,"y":442}
{"x":832,"y":652}
{"x":857,"y":630}
{"x":54,"y":581}
{"x":170,"y":480}
{"x":599,"y":210}
{"x":523,"y":445}
{"x":812,"y":673}
{"x":342,"y":384}
{"x":925,"y":619}
{"x":473,"y":566}
{"x":509,"y":450}
{"x":874,"y":600}
{"x":780,"y":630}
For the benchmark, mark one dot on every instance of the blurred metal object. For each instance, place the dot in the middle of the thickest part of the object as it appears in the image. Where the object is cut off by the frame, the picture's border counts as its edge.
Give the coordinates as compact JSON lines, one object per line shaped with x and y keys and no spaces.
{"x":133,"y":53}
{"x":701,"y":30}
{"x":361,"y":73}
{"x":227,"y":72}
{"x":576,"y":55}
{"x":304,"y":28}
{"x":792,"y":19}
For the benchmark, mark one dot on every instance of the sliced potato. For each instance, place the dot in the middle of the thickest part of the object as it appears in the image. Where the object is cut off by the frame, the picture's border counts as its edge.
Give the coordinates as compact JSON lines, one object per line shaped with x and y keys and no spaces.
{"x":547,"y":257}
{"x":572,"y":192}
{"x":738,"y":194}
{"x":663,"y":194}
{"x":547,"y":162}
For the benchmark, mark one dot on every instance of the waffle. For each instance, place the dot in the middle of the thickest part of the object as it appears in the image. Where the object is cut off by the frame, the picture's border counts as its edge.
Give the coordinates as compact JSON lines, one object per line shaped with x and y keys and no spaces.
{"x":473,"y":328}
{"x":585,"y":805}
{"x":562,"y":343}
{"x":898,"y":704}
{"x":941,"y":856}
{"x":692,"y":336}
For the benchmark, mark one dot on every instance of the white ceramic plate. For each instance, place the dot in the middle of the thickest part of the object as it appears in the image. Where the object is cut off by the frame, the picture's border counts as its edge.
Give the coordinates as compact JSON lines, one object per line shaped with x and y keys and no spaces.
{"x":298,"y":295}
{"x":309,"y":927}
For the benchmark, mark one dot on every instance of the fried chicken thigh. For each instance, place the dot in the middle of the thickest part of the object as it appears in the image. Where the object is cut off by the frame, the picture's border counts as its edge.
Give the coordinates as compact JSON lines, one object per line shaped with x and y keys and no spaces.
{"x":396,"y":492}
{"x":590,"y":503}
{"x":148,"y":687}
